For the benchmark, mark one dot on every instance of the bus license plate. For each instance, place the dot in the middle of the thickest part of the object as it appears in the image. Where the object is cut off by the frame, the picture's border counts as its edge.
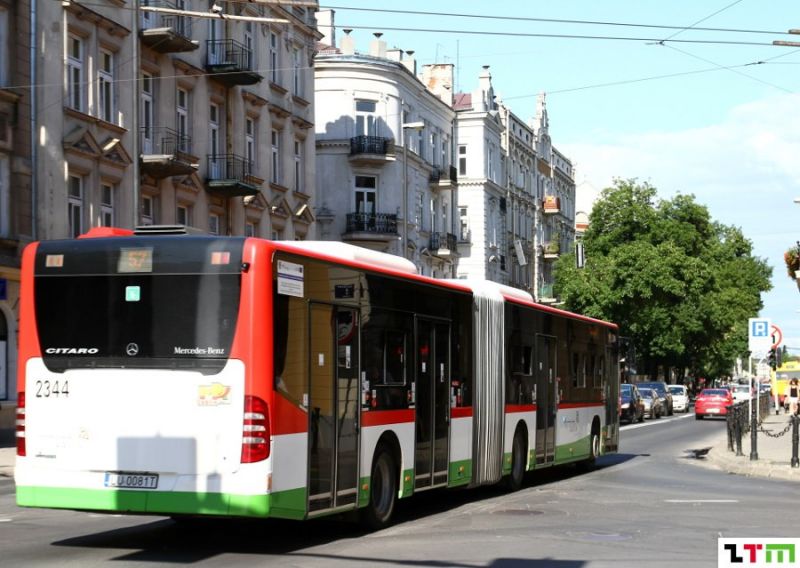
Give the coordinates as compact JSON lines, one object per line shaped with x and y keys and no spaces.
{"x":131,"y":480}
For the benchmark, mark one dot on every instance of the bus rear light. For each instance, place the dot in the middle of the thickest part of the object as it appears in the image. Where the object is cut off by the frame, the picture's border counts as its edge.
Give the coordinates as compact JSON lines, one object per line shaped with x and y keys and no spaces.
{"x":20,"y":424}
{"x":255,"y":430}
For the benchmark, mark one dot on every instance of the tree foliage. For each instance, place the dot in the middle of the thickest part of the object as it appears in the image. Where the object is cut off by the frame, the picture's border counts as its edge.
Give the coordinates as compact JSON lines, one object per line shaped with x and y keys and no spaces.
{"x":679,"y":284}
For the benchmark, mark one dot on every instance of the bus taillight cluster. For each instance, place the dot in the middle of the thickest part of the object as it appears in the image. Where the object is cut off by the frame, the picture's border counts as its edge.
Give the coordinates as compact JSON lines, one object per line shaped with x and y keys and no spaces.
{"x":255,"y":430}
{"x":20,"y":425}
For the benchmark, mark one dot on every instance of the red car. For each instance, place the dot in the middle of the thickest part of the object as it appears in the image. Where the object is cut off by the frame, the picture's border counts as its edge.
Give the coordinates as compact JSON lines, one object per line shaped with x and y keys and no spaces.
{"x":712,"y":402}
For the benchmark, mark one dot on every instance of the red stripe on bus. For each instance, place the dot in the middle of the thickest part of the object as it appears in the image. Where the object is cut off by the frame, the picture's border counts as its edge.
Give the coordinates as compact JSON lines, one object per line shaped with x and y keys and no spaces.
{"x":461,"y":412}
{"x":287,"y":417}
{"x":581,"y":405}
{"x":511,"y":408}
{"x":384,"y":417}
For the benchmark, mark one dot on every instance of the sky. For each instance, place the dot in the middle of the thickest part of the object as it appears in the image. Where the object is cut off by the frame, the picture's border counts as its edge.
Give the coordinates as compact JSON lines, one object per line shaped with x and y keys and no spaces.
{"x":710,"y":112}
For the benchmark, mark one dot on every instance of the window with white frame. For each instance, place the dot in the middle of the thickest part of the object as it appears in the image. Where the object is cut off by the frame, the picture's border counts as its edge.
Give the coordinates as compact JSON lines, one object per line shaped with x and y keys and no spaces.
{"x":366,"y":119}
{"x":182,"y":117}
{"x":105,"y":86}
{"x":217,"y":161}
{"x":298,"y":165}
{"x":106,"y":205}
{"x":75,"y":205}
{"x":249,"y":43}
{"x":4,"y":52}
{"x":250,"y":142}
{"x":148,"y":210}
{"x":213,"y":224}
{"x":297,"y":72}
{"x":75,"y":82}
{"x":420,"y":209}
{"x":277,"y":235}
{"x":183,"y":215}
{"x":275,"y":174}
{"x":147,"y":118}
{"x":366,"y":198}
{"x":274,"y":59}
{"x":464,"y":221}
{"x":250,"y":229}
{"x":462,"y":160}
{"x":5,"y":195}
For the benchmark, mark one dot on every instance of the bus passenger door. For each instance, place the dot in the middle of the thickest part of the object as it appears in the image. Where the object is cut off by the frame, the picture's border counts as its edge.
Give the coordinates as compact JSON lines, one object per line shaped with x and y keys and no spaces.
{"x":333,"y":408}
{"x":546,"y":398}
{"x":432,"y":388}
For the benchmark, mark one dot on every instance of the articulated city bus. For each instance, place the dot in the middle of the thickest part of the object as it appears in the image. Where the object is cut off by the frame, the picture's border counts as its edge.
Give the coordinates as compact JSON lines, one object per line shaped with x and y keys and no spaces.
{"x":201,"y":375}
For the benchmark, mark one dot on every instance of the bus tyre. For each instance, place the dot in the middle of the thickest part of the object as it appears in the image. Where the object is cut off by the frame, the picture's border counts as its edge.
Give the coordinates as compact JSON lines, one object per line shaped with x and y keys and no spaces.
{"x":517,"y":475}
{"x":382,"y":491}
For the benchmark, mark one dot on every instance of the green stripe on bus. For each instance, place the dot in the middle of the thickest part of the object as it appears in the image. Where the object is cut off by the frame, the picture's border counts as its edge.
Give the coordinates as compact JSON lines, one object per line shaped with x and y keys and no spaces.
{"x":576,"y":450}
{"x":460,"y":473}
{"x":285,"y":504}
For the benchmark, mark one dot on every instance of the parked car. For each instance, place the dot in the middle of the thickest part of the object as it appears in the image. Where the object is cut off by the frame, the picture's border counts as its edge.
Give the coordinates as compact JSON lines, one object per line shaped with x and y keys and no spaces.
{"x":653,"y":407}
{"x":631,"y":404}
{"x":741,"y":393}
{"x":661,"y":388}
{"x":712,"y":402}
{"x":680,"y":398}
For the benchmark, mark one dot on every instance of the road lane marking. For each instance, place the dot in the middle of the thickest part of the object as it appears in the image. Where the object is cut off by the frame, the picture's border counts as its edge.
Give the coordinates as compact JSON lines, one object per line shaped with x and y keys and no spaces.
{"x":652,"y":421}
{"x":701,"y":500}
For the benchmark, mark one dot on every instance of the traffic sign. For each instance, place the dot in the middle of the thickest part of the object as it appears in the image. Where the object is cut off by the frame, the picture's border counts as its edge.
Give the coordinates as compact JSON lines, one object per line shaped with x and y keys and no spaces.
{"x":759,"y":338}
{"x":777,"y":336}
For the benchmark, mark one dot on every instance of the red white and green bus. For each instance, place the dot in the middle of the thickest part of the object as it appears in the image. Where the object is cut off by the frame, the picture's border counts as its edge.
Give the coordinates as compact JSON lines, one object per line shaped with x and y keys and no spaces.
{"x":241,"y":377}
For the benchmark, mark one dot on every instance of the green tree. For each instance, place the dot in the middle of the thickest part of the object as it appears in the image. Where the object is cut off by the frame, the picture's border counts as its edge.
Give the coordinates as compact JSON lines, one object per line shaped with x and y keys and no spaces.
{"x":680,"y":285}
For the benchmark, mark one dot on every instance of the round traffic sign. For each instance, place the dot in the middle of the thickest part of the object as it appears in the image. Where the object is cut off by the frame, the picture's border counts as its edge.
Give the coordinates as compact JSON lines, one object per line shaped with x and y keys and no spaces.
{"x":777,"y":336}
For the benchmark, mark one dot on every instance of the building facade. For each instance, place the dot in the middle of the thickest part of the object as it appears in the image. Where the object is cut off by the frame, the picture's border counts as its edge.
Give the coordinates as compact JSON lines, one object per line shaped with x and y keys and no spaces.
{"x":16,"y":182}
{"x":169,"y":117}
{"x":385,"y":175}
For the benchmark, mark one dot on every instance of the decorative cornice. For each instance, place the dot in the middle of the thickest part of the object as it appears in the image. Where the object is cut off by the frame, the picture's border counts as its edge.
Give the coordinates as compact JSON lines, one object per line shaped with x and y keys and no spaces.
{"x":83,"y":13}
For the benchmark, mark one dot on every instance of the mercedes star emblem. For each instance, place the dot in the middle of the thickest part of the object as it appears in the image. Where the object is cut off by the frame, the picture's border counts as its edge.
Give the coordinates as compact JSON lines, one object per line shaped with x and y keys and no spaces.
{"x":132,"y":349}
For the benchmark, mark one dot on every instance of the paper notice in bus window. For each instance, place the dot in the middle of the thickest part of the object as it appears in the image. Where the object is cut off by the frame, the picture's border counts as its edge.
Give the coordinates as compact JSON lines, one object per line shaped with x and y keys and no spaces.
{"x":290,"y":279}
{"x":54,"y":261}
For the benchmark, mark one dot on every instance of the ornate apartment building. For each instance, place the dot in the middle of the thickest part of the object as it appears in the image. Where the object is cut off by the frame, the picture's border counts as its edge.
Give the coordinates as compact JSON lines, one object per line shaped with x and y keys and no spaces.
{"x":385,"y":174}
{"x":182,"y":112}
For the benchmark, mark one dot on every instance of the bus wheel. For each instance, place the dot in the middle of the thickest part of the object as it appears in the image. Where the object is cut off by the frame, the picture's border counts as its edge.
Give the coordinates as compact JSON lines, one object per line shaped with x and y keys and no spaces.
{"x":517,"y":475}
{"x":383,"y":491}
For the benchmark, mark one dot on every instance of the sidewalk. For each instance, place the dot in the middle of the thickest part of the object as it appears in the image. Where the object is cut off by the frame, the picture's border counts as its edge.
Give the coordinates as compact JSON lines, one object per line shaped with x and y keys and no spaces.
{"x":774,"y":454}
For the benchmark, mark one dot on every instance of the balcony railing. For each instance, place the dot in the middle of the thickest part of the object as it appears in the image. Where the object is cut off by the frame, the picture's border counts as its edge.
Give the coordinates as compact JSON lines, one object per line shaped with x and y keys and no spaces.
{"x":443,"y":243}
{"x":378,"y":223}
{"x":371,"y":145}
{"x":166,"y":33}
{"x":438,"y":173}
{"x":231,"y":174}
{"x":231,"y":62}
{"x":164,"y":141}
{"x":164,"y":152}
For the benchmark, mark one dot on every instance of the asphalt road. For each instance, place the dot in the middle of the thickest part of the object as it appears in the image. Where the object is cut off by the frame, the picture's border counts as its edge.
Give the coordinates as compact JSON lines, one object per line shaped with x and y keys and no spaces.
{"x":649,"y":505}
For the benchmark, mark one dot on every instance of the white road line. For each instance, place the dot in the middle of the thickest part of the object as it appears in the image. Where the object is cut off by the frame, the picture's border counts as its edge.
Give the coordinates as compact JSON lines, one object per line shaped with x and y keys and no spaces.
{"x":653,"y":421}
{"x":701,"y":500}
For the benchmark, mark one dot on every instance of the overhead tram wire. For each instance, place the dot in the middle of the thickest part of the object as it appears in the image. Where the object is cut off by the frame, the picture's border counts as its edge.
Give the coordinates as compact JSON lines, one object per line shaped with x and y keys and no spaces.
{"x":701,"y":20}
{"x":547,"y":20}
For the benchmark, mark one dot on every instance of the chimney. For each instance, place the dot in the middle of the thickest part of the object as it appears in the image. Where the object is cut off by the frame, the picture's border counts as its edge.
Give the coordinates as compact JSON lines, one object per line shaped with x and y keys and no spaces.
{"x":348,"y":46}
{"x":326,"y":27}
{"x":377,"y":47}
{"x":395,"y":54}
{"x":410,"y":62}
{"x":483,"y":99}
{"x":438,"y":78}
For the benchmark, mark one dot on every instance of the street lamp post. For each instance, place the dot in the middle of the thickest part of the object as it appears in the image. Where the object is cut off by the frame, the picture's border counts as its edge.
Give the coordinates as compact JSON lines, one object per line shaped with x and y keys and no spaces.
{"x":416,"y":127}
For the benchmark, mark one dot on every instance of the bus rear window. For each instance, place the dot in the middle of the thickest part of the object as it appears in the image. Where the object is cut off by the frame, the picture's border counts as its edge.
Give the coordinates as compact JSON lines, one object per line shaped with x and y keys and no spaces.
{"x":157,"y":302}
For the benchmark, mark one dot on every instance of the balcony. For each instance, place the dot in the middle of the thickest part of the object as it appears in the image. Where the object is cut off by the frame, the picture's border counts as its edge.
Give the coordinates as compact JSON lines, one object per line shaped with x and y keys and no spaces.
{"x":371,"y":150}
{"x":166,"y":33}
{"x":443,"y":177}
{"x":551,"y":204}
{"x":230,"y":175}
{"x":231,"y":63}
{"x":372,"y":230}
{"x":546,"y":294}
{"x":164,"y":153}
{"x":552,"y":250}
{"x":443,"y":244}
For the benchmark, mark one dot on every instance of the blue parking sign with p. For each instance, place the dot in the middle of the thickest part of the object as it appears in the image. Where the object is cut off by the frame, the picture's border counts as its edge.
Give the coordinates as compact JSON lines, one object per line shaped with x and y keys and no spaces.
{"x":759,"y":328}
